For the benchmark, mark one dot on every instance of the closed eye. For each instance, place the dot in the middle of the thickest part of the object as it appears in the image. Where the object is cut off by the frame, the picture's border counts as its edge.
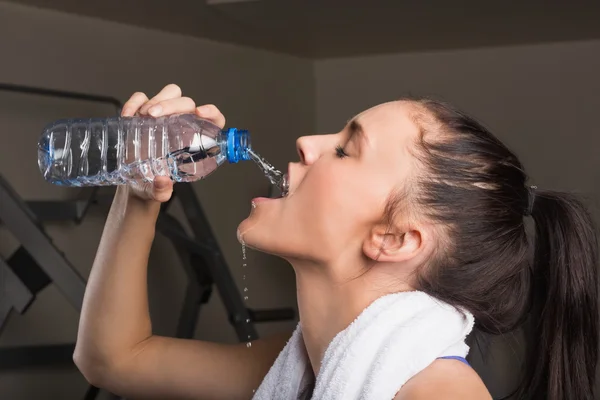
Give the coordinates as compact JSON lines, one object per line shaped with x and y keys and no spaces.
{"x":339,"y":152}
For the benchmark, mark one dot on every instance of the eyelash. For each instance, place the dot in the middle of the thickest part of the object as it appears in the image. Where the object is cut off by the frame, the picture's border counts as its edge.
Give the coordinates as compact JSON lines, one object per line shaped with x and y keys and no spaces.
{"x":339,"y":152}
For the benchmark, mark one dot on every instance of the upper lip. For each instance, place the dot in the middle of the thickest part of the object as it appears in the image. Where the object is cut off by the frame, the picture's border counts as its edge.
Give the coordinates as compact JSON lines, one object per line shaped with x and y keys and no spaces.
{"x":288,"y":178}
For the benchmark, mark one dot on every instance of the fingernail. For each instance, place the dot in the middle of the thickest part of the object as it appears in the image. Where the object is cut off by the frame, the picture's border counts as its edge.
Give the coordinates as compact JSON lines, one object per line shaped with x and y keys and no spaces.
{"x":155,"y":111}
{"x":126,"y":112}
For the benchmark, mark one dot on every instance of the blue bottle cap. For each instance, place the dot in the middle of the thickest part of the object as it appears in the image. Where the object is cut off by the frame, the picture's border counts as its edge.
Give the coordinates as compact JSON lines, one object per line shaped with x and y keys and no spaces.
{"x":238,"y":143}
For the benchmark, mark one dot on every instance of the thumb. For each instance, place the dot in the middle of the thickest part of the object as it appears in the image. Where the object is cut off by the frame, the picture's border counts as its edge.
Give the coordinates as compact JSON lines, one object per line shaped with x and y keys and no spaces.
{"x":161,"y":189}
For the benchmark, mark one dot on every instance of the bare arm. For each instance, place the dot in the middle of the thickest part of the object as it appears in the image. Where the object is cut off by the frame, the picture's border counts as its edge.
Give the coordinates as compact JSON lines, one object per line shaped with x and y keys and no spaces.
{"x":115,"y":346}
{"x":115,"y":315}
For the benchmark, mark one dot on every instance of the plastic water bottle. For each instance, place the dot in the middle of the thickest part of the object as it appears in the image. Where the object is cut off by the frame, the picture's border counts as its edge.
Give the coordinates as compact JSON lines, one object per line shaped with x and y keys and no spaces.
{"x":117,"y":150}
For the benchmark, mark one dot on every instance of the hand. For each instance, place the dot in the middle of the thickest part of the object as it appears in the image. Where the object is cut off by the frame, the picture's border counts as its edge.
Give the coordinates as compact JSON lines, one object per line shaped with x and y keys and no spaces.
{"x":168,"y":101}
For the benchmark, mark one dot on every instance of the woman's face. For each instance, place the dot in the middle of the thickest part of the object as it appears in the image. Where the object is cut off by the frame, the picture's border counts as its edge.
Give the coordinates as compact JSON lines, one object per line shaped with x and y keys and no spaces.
{"x":339,"y":189}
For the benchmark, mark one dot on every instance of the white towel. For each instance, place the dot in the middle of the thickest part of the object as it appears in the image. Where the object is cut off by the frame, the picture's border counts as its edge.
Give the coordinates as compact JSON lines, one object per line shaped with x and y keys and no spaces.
{"x":392,"y":340}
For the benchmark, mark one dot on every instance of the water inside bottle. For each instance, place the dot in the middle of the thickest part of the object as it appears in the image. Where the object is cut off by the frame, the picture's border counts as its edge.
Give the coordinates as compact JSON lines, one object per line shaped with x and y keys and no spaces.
{"x":113,"y":151}
{"x":276,"y":177}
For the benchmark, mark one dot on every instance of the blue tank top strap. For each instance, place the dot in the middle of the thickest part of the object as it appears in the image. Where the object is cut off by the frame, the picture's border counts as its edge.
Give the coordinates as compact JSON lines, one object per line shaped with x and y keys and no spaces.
{"x":461,"y":359}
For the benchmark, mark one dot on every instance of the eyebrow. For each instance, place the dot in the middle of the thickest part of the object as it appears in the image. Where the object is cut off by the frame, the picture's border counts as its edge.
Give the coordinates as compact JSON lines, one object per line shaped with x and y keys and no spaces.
{"x":355,"y":128}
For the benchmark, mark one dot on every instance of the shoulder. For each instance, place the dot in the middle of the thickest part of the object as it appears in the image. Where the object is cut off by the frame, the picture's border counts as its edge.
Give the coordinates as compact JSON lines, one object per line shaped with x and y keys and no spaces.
{"x":447,"y":379}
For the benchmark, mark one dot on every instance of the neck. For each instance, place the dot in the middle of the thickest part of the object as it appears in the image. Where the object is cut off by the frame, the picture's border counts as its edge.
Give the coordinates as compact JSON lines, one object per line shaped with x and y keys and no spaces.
{"x":330,"y":297}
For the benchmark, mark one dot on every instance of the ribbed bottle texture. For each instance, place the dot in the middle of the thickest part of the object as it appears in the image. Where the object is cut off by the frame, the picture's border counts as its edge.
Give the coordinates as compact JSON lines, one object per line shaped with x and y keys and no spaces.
{"x":116,"y":150}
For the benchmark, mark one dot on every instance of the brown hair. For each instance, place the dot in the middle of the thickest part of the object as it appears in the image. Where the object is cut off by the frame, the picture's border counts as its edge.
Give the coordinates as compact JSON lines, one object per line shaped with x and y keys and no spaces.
{"x":474,"y":187}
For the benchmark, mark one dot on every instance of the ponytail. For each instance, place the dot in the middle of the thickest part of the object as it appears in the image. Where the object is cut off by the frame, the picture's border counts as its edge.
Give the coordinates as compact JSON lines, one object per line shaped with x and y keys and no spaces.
{"x":474,"y":186}
{"x":562,"y":360}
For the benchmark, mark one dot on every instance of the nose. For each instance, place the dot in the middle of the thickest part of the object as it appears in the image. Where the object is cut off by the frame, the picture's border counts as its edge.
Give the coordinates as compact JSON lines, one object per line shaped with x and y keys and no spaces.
{"x":309,"y":149}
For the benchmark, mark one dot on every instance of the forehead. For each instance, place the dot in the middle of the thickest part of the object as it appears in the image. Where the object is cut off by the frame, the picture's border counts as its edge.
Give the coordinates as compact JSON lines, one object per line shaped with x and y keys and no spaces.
{"x":391,"y":133}
{"x":393,"y":121}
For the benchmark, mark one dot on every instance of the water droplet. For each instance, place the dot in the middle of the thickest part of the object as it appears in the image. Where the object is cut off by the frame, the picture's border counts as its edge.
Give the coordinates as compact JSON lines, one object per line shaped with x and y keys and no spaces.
{"x":245,"y":297}
{"x":248,"y":337}
{"x":245,"y":289}
{"x":248,"y":344}
{"x":244,"y":265}
{"x":244,"y":277}
{"x":248,"y":320}
{"x":253,"y":390}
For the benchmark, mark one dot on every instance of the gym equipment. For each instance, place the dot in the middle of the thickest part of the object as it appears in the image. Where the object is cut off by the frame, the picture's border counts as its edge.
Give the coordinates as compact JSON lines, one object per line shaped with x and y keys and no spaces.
{"x":38,"y":262}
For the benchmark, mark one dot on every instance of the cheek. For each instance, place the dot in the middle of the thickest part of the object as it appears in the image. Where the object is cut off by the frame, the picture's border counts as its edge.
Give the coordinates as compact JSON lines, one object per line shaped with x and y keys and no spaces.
{"x":343,"y":200}
{"x":315,"y":201}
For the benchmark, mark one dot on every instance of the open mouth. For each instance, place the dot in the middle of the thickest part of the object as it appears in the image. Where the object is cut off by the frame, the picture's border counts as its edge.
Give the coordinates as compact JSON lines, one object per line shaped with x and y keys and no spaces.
{"x":280,"y":186}
{"x":277,"y":178}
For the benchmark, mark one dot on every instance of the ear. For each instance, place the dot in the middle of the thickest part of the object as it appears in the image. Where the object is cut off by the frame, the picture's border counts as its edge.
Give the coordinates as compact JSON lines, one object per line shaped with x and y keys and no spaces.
{"x":393,"y":245}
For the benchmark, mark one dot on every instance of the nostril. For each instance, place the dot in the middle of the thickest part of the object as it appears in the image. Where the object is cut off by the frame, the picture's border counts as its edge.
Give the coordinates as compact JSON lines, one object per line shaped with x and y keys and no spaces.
{"x":301,"y":154}
{"x":299,"y":147}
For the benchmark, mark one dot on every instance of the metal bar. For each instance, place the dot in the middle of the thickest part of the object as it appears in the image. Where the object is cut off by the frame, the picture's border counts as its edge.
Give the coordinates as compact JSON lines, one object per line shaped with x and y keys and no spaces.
{"x":9,"y":87}
{"x":36,"y":356}
{"x":14,"y":290}
{"x":277,"y":314}
{"x":91,"y":393}
{"x":57,"y":210}
{"x":5,"y":308}
{"x":23,"y":225}
{"x":238,"y":314}
{"x":171,"y":228}
{"x":199,"y":284}
{"x":188,"y":317}
{"x":74,"y":282}
{"x":190,"y":310}
{"x":86,"y":206}
{"x":62,"y":210}
{"x":28,"y":271}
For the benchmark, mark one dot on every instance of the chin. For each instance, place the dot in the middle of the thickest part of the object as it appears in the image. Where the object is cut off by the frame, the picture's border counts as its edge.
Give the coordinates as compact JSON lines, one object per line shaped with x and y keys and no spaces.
{"x":256,"y":230}
{"x":248,"y":233}
{"x":262,"y":238}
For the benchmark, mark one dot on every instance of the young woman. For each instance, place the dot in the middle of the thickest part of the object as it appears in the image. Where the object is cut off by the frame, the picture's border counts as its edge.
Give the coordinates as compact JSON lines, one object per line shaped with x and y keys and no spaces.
{"x":411,"y":195}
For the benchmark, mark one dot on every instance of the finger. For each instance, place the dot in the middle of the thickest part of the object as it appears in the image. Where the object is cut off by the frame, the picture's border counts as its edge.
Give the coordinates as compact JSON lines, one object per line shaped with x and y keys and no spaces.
{"x":132,"y":105}
{"x":172,"y":106}
{"x":162,"y":188}
{"x":211,"y":113}
{"x":171,"y":91}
